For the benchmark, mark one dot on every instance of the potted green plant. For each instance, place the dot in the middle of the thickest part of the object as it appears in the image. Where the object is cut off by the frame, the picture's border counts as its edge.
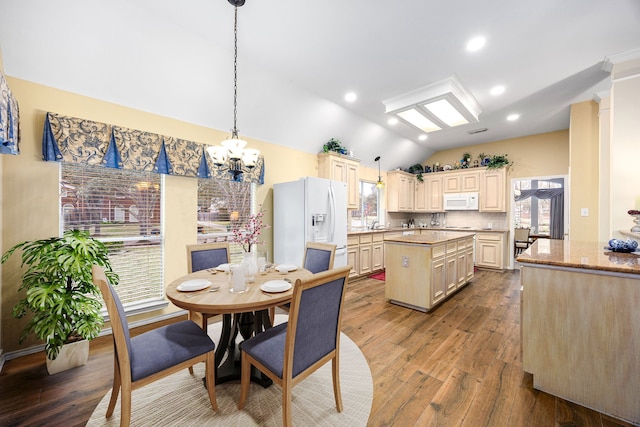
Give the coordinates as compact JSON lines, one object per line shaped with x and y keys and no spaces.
{"x":59,"y":289}
{"x":497,"y":161}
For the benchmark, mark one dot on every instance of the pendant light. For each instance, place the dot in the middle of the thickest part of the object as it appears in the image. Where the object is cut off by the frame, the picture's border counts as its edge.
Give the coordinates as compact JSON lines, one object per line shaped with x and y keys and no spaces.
{"x":379,"y":184}
{"x":231,"y":154}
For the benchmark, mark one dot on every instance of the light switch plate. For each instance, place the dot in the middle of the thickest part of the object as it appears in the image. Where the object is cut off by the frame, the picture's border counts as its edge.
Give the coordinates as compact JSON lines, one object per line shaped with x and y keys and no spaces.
{"x":584,"y":212}
{"x":405,"y":261}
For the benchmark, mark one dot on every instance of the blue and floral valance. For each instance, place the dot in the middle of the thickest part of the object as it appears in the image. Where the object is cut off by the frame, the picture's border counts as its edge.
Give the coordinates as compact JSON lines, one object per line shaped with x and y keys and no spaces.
{"x":9,"y":120}
{"x":74,"y":140}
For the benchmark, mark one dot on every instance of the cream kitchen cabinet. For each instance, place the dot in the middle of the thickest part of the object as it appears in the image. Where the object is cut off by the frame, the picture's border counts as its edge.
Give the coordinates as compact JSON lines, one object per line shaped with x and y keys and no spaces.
{"x":490,"y":250}
{"x":493,"y":191}
{"x":400,"y":191}
{"x":377,"y":251}
{"x":353,"y":255}
{"x":433,"y":196}
{"x":461,"y":182}
{"x":345,"y":169}
{"x":420,"y":201}
{"x":365,"y":254}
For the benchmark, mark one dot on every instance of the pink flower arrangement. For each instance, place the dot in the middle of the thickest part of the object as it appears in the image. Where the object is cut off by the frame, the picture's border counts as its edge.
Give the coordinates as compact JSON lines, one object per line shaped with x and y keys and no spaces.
{"x":248,"y":235}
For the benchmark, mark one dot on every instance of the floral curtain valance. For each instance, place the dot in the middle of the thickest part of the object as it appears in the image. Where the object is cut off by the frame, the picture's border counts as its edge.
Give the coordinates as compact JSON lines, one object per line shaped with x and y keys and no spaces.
{"x":70,"y":139}
{"x":9,"y":120}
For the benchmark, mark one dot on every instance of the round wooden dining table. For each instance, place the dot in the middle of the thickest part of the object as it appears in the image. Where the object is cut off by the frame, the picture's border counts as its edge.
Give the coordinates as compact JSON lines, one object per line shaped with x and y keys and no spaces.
{"x":245,"y":313}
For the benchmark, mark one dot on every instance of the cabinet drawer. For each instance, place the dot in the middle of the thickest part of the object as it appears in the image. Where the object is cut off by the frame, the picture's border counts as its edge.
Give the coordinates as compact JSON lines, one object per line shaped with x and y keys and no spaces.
{"x":365,"y":239}
{"x":438,"y":251}
{"x":352,"y":241}
{"x":452,"y":248}
{"x":462,"y":245}
{"x":378,"y":237}
{"x":494,"y":237}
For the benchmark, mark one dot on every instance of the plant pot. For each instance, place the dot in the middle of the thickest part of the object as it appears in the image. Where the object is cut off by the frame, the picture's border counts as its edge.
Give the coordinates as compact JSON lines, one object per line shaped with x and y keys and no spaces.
{"x":70,"y":356}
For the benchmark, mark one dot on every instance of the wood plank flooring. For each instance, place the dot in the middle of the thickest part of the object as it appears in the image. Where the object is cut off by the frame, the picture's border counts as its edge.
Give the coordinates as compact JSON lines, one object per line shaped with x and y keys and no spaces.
{"x":459,"y":365}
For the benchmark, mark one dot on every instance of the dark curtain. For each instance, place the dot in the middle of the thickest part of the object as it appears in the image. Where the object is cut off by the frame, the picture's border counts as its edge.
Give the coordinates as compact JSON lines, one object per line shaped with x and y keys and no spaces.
{"x":557,"y":207}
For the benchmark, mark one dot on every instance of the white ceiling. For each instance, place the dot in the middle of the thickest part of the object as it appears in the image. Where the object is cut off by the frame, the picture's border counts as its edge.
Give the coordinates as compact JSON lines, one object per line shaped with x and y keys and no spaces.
{"x":298,"y":58}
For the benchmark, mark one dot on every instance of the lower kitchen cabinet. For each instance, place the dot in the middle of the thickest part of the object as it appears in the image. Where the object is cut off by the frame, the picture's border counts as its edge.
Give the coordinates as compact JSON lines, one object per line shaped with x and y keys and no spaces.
{"x":364,"y":250}
{"x":353,"y":255}
{"x":490,"y":248}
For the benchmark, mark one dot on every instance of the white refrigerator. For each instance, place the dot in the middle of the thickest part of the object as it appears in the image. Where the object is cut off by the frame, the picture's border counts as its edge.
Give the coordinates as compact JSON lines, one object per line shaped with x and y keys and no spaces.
{"x":309,"y":210}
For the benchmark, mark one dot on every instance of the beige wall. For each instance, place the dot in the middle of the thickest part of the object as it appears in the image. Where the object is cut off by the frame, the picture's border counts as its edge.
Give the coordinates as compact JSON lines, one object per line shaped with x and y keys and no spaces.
{"x":584,"y":177}
{"x":30,"y":186}
{"x":529,"y":154}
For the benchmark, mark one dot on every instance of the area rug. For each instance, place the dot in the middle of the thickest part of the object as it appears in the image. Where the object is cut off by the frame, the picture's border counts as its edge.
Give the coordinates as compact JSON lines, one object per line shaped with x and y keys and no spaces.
{"x":180,"y":399}
{"x":378,"y":276}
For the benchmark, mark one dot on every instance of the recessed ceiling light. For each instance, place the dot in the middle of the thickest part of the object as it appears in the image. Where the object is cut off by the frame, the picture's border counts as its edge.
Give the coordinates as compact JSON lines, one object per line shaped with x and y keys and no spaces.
{"x":476,"y":43}
{"x":350,"y":97}
{"x":422,"y":137}
{"x":393,"y":121}
{"x":497,"y":90}
{"x":512,"y":117}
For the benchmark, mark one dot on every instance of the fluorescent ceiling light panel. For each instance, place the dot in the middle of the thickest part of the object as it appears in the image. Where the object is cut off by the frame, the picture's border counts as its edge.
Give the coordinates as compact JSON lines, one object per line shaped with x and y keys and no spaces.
{"x":446,"y":112}
{"x":440,"y":105}
{"x":418,"y":120}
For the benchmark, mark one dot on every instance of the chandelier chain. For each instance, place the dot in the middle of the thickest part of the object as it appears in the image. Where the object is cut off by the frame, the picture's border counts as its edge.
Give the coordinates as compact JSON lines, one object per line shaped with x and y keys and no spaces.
{"x":235,"y":74}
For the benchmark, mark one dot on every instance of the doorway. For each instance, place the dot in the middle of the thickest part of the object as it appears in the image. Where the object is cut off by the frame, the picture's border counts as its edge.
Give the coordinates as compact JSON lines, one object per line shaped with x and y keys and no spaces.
{"x":539,"y":204}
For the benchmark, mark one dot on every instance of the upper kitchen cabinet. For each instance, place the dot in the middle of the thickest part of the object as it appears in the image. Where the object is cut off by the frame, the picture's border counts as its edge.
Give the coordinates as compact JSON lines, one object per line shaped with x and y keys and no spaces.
{"x":433,"y":193}
{"x":493,"y":190}
{"x":341,"y":168}
{"x":401,"y":191}
{"x":461,"y":182}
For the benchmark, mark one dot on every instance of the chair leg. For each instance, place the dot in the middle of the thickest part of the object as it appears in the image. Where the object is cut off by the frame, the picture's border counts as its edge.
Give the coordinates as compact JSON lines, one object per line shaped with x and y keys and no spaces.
{"x":125,"y":405}
{"x":245,"y":368}
{"x":210,"y":375}
{"x":286,"y":404}
{"x":335,"y":368}
{"x":272,"y":314}
{"x":115,"y":390}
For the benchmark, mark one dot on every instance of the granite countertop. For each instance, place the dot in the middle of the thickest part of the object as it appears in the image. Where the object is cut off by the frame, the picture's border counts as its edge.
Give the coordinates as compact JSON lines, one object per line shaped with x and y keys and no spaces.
{"x":431,"y":238}
{"x":448,"y":229}
{"x":584,"y":255}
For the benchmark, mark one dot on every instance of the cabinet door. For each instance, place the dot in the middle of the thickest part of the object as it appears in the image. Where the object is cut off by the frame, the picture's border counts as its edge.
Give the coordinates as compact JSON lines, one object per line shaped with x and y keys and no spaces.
{"x":469,"y":181}
{"x":434,"y":197}
{"x":470,"y":271}
{"x":461,"y":275}
{"x":409,"y":193}
{"x":488,"y":254}
{"x":438,"y":281}
{"x":338,"y":170}
{"x":353,"y":185}
{"x":451,"y":183}
{"x":352,"y":260}
{"x":365,"y":259}
{"x":377,"y":256}
{"x":452,"y":272}
{"x":493,"y":191}
{"x":421,"y":196}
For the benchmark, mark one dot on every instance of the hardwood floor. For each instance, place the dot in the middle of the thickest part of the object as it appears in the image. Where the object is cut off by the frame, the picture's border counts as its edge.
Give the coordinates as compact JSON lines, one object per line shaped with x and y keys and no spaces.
{"x":458,"y":365}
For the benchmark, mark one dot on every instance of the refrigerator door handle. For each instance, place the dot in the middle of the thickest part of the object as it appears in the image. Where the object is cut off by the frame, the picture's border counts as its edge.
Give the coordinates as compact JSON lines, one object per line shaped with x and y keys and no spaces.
{"x":332,"y":226}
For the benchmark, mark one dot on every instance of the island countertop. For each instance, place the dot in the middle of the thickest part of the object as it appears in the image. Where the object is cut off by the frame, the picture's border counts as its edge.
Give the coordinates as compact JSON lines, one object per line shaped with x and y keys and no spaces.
{"x":583,"y":255}
{"x":430,"y":238}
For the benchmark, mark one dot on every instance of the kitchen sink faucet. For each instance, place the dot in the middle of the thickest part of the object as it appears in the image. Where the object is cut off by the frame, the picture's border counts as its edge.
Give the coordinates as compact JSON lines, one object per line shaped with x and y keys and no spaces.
{"x":373,"y":224}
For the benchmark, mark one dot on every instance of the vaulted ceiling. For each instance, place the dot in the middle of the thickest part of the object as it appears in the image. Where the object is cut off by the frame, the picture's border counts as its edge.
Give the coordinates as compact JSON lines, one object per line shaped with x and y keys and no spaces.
{"x":297,"y":60}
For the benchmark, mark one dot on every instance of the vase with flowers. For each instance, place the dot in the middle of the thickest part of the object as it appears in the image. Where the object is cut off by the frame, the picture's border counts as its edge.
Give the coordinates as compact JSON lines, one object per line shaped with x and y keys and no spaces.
{"x":248,"y":238}
{"x":636,"y":218}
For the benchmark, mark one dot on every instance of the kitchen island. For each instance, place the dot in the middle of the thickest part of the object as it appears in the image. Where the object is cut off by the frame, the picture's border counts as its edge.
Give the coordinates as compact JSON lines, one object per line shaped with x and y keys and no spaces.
{"x":581,"y":324}
{"x":423,"y":269}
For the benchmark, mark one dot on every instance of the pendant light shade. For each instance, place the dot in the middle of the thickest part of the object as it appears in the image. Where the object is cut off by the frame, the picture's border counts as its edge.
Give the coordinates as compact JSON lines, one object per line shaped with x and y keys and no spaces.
{"x":379,"y":184}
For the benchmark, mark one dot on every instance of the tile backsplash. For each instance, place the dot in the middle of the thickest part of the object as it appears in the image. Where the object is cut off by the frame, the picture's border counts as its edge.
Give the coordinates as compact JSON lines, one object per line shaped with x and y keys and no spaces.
{"x":474,"y":219}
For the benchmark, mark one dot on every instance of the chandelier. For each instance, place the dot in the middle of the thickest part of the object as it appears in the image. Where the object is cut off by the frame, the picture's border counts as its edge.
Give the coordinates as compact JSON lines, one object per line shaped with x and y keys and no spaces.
{"x":231,"y":154}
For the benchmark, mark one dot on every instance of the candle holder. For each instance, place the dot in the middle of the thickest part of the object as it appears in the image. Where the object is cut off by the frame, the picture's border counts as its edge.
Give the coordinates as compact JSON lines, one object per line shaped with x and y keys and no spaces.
{"x":636,"y":218}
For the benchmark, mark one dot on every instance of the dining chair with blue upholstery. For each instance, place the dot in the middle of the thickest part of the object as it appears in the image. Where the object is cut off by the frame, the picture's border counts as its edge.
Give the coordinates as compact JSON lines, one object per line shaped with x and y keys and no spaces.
{"x":202,"y":257}
{"x":318,"y":257}
{"x":290,"y":352}
{"x":152,"y":355}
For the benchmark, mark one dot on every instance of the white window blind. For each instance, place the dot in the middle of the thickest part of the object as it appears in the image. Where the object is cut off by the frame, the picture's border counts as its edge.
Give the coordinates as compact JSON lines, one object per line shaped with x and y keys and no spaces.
{"x":222,"y":206}
{"x":122,"y":209}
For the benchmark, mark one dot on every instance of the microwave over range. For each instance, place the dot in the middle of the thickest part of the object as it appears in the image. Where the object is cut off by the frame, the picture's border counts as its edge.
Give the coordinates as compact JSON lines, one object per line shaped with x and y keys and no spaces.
{"x":461,"y":201}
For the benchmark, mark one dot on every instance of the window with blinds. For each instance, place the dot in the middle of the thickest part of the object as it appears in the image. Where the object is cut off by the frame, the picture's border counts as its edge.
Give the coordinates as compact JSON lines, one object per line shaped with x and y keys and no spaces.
{"x":223,"y":206}
{"x":122,"y":209}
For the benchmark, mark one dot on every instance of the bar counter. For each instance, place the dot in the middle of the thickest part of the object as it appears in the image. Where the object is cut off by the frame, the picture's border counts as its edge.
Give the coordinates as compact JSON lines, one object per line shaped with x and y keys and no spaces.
{"x":580,"y":309}
{"x":582,"y":255}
